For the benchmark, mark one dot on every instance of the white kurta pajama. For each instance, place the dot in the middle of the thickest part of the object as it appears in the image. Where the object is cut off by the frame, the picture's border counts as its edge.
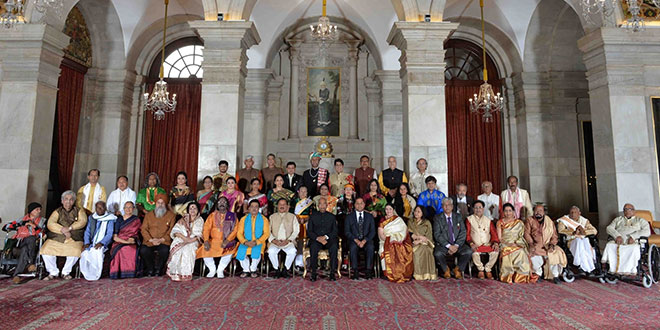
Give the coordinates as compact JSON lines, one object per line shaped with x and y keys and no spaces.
{"x":181,"y":262}
{"x":623,"y":259}
{"x":583,"y":253}
{"x":99,"y":230}
{"x":284,"y":226}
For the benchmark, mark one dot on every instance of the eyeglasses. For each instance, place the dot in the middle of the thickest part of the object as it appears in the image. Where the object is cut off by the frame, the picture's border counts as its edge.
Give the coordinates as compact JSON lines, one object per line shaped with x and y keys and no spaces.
{"x":628,"y":209}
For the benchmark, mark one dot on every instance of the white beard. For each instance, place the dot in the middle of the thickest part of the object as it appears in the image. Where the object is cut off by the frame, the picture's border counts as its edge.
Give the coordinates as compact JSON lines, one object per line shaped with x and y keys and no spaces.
{"x":160,"y":212}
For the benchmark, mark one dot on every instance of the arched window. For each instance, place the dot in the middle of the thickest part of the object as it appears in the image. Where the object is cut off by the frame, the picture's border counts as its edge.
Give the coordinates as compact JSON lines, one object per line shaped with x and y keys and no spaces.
{"x":464,"y":62}
{"x":183,"y":60}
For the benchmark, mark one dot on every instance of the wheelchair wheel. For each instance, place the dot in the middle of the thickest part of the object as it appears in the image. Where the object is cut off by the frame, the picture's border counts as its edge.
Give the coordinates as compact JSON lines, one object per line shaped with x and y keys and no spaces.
{"x":568,"y":276}
{"x":647,"y":281}
{"x":654,"y":263}
{"x":609,"y":278}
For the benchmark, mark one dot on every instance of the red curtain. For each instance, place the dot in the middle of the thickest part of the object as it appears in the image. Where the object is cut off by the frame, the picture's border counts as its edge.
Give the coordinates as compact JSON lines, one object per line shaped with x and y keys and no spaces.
{"x":171,"y":145}
{"x":67,"y":116}
{"x":474,"y":147}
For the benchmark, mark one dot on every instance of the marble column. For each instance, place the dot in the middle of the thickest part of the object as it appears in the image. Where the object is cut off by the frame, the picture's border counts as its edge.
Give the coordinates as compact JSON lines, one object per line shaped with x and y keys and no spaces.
{"x":223,"y":91}
{"x":106,"y":118}
{"x":423,"y":89}
{"x":391,"y":119}
{"x":31,"y":56}
{"x":294,"y":56}
{"x":353,"y":88}
{"x":623,"y":70}
{"x":254,"y":134}
{"x":374,"y":101}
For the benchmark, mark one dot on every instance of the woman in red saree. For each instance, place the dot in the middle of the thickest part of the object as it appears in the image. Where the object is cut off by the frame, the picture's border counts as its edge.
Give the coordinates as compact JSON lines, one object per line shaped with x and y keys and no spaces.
{"x":396,"y":250}
{"x":123,"y":253}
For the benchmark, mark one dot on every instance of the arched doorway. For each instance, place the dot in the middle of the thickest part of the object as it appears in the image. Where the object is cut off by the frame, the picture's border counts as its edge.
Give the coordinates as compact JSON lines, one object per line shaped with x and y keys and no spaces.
{"x":172,"y":144}
{"x":474,"y":148}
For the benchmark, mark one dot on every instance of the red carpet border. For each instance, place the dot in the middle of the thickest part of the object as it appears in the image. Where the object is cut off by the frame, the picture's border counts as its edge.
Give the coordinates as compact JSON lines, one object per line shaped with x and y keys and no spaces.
{"x":265,"y":303}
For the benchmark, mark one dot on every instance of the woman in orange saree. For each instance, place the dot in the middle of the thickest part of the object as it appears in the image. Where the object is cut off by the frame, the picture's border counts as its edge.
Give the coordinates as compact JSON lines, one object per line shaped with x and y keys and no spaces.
{"x":396,"y":250}
{"x":514,"y":259}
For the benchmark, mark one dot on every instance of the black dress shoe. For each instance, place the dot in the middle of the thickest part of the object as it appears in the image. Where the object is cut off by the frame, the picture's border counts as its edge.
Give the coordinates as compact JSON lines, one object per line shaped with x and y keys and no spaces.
{"x":278,"y":274}
{"x":284,"y":273}
{"x":556,"y":280}
{"x":313,"y":278}
{"x":332,"y":277}
{"x":355,"y":275}
{"x":369,"y":275}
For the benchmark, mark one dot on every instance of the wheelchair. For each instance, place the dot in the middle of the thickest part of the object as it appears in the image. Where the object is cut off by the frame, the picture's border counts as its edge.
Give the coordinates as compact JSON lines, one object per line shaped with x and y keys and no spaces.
{"x":571,"y":272}
{"x":10,"y":253}
{"x":646,"y":266}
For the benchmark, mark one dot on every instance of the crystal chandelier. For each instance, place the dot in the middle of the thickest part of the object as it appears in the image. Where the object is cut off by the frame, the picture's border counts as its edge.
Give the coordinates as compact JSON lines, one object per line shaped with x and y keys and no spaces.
{"x":159,"y":100}
{"x":323,"y":30}
{"x":635,"y":23}
{"x":12,"y":15}
{"x":486,"y":103}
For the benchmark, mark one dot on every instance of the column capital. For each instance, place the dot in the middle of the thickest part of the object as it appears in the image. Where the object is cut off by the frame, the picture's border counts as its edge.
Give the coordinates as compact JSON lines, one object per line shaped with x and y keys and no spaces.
{"x":226,"y":34}
{"x":32,"y":52}
{"x":408,"y":36}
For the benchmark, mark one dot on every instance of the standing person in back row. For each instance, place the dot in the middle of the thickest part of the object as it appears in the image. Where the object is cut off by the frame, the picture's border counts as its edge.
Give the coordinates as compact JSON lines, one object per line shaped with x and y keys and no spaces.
{"x":314,"y":177}
{"x":245,"y":175}
{"x":392,"y":177}
{"x":269,"y":172}
{"x":517,"y":197}
{"x":363,"y":175}
{"x":91,"y":193}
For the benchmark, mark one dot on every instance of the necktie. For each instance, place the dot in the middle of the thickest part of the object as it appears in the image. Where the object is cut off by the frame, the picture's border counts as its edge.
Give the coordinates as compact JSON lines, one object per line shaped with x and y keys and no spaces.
{"x":360,"y":226}
{"x":451,"y":230}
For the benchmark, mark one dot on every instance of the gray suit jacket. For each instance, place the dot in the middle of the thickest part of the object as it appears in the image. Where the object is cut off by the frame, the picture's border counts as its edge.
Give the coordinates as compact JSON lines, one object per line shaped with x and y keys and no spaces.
{"x":441,"y":231}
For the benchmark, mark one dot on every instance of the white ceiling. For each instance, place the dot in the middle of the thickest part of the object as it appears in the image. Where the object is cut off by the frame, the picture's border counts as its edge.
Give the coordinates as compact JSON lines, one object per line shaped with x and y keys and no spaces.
{"x":375,"y":17}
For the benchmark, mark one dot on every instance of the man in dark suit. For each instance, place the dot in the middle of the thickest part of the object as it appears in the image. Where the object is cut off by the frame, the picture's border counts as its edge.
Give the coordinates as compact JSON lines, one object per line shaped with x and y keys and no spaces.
{"x":322,"y":232}
{"x":449,"y":235}
{"x":462,"y":202}
{"x":360,"y":232}
{"x":292,"y":181}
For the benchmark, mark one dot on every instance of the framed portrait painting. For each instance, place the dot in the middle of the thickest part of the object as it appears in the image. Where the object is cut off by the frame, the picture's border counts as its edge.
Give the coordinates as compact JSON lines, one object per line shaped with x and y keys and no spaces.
{"x":323,"y":101}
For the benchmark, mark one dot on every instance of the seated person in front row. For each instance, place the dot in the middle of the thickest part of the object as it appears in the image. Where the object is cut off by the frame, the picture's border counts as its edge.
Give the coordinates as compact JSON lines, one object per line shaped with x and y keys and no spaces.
{"x":482,"y":238}
{"x":66,"y":228}
{"x":323,"y":233}
{"x":360,"y":231}
{"x":156,"y":229}
{"x":395,"y":248}
{"x":219,"y":236}
{"x":284,"y":230}
{"x":98,"y":236}
{"x":449,"y":235}
{"x":541,"y":235}
{"x":185,"y":235}
{"x":623,"y":253}
{"x":253,"y":231}
{"x":123,"y":253}
{"x":27,"y":234}
{"x":577,"y":228}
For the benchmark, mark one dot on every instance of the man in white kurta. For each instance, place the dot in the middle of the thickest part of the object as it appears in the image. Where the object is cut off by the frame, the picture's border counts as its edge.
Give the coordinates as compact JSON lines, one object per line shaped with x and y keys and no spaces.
{"x":284,"y":230}
{"x":98,"y":237}
{"x":120,"y":196}
{"x":482,"y":238}
{"x":519,"y":198}
{"x":418,"y":179}
{"x":623,"y":253}
{"x":91,"y":193}
{"x":577,"y":228}
{"x":491,"y":201}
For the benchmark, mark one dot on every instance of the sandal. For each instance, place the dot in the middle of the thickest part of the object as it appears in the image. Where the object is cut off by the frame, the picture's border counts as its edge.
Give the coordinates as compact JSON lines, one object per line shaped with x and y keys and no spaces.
{"x":244,"y":275}
{"x":67,"y":277}
{"x":49,"y":277}
{"x":254,"y":275}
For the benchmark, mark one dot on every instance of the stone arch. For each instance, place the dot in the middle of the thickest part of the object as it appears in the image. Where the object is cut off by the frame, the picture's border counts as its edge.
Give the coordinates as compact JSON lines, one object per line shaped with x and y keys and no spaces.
{"x":551,"y":40}
{"x":233,"y":10}
{"x":343,"y":25}
{"x":498,"y":45}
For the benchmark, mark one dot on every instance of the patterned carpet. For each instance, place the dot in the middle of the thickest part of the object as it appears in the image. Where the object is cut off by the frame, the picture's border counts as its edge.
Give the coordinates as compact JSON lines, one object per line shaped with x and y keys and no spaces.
{"x":266,"y":303}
